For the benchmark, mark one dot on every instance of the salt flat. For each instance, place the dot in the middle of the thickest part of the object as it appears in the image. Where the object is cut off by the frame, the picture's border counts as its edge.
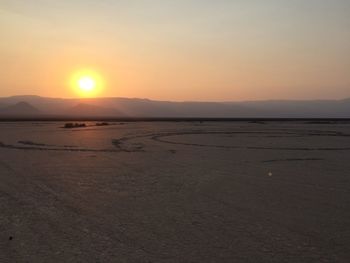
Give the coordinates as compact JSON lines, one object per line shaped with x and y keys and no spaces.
{"x":175,"y":192}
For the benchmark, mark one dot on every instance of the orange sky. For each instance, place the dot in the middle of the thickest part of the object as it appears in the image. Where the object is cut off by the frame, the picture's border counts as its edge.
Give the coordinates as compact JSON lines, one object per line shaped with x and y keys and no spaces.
{"x":178,"y":50}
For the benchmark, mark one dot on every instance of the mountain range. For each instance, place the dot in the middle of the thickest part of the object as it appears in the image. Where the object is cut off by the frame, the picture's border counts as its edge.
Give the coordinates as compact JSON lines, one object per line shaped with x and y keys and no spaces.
{"x":35,"y":106}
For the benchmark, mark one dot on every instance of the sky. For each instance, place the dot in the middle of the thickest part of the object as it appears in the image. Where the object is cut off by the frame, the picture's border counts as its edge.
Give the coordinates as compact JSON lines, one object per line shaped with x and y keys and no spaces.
{"x":183,"y":50}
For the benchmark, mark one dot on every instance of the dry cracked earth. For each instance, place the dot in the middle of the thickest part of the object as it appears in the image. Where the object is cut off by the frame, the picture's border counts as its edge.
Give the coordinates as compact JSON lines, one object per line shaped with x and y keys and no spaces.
{"x":175,"y":192}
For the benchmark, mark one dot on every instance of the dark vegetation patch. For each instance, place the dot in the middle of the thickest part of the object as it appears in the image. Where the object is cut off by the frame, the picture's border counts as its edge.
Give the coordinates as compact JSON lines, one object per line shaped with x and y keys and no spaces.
{"x":102,"y":124}
{"x":71,"y":125}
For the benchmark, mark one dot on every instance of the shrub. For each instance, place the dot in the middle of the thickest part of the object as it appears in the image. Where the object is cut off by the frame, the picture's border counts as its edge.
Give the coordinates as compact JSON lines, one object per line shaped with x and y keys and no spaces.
{"x":71,"y":125}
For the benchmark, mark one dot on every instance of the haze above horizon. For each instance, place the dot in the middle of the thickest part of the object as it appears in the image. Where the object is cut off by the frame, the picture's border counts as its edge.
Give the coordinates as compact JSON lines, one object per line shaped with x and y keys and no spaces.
{"x":177,"y":50}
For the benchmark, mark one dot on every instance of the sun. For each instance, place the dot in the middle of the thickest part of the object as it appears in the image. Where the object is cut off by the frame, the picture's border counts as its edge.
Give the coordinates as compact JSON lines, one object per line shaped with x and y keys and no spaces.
{"x":87,"y":83}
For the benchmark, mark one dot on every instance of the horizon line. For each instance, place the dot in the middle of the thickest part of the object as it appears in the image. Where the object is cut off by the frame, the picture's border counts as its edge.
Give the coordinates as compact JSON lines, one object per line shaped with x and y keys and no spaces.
{"x":176,"y":101}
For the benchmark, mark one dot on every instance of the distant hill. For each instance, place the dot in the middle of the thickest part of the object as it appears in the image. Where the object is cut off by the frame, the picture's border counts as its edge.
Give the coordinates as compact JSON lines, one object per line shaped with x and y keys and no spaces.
{"x":133,"y":107}
{"x":86,"y":110}
{"x":20,"y":109}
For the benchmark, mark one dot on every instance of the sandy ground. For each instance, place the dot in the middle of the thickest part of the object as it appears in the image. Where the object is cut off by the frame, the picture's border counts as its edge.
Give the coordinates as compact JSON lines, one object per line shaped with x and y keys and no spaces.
{"x":175,"y":192}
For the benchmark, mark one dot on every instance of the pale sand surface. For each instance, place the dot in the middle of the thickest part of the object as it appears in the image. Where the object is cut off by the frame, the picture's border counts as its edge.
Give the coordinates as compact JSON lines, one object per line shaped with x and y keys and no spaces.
{"x":175,"y":192}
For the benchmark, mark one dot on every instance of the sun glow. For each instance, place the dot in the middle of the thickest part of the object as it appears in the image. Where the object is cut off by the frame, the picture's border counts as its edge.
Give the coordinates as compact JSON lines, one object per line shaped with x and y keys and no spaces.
{"x":87,"y":83}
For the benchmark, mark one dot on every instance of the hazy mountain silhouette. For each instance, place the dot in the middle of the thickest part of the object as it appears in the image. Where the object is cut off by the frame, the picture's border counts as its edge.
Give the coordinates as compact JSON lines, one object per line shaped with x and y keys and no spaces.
{"x":126,"y":107}
{"x":86,"y":110}
{"x":20,"y":109}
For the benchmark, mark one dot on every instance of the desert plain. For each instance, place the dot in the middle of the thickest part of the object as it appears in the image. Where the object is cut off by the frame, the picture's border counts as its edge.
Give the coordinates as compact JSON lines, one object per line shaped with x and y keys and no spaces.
{"x":191,"y":191}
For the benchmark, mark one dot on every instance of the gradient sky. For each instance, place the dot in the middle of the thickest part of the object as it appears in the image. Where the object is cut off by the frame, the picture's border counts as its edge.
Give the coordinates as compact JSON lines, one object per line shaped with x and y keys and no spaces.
{"x":178,"y":50}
